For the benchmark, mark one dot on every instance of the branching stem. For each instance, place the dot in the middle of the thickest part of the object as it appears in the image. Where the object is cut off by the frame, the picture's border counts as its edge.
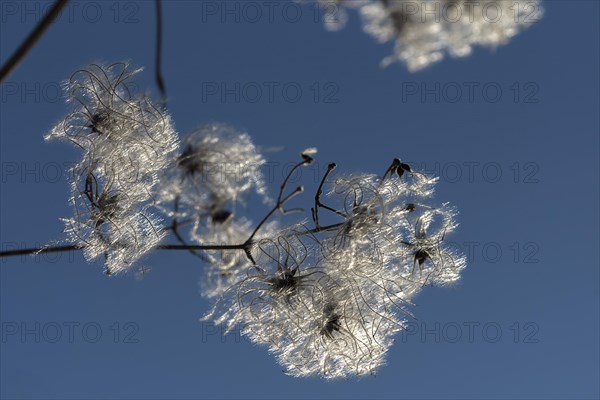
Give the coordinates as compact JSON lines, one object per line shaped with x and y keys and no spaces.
{"x":280,"y":199}
{"x":185,"y":247}
{"x":246,"y":246}
{"x":318,"y":203}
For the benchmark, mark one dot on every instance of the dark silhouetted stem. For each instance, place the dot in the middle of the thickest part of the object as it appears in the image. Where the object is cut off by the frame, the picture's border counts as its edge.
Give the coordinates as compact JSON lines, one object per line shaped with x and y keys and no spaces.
{"x":318,"y":203}
{"x":185,"y":247}
{"x":158,"y":62}
{"x":58,"y":249}
{"x":280,"y":200}
{"x":31,"y":40}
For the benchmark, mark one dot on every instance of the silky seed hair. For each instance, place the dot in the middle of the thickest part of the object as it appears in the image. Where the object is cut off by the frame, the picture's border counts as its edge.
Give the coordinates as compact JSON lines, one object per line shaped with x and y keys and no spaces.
{"x":334,"y":310}
{"x":422,"y":39}
{"x":325,"y":299}
{"x":126,"y":142}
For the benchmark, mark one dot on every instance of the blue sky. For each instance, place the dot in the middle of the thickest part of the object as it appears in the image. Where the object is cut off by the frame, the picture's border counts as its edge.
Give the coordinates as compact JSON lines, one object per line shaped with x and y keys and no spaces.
{"x":522,"y":171}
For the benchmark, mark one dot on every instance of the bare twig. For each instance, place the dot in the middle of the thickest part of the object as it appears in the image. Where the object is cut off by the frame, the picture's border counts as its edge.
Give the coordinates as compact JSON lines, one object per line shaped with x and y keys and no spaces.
{"x":38,"y":250}
{"x":59,"y":249}
{"x":31,"y":40}
{"x":184,"y":247}
{"x":159,"y":79}
{"x":246,"y":246}
{"x":280,"y":200}
{"x":318,"y":203}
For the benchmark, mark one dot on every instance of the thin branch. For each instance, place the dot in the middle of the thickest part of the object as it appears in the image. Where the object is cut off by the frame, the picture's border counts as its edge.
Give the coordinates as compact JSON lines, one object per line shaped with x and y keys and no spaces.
{"x":280,"y":201}
{"x":322,"y":229}
{"x":59,"y":249}
{"x":159,"y":79}
{"x":246,"y":246}
{"x":318,"y":203}
{"x":38,"y":250}
{"x":31,"y":40}
{"x":187,"y":247}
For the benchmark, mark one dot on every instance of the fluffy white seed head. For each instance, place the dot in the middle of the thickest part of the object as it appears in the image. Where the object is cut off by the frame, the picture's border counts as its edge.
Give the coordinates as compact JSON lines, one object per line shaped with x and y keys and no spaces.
{"x":216,"y":167}
{"x":127,"y":141}
{"x":329,"y":303}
